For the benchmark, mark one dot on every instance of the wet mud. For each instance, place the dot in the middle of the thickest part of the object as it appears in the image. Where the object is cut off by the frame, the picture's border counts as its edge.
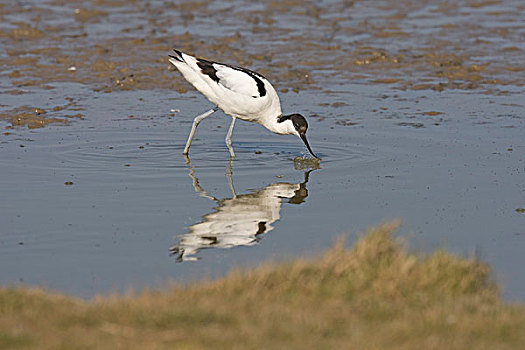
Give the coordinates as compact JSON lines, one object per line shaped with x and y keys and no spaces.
{"x":34,"y":117}
{"x":123,"y":45}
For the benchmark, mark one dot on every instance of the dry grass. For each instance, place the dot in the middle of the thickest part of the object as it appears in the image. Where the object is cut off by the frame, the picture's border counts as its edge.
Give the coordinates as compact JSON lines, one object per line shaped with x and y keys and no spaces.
{"x":374,"y":295}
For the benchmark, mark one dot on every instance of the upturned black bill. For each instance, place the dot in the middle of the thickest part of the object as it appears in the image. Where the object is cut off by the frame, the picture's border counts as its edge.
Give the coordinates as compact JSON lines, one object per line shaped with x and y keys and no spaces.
{"x":303,"y":137}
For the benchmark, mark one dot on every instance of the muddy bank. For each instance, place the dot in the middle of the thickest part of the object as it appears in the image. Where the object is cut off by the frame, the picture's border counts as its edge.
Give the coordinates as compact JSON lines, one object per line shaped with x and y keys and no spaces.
{"x":34,"y":117}
{"x":122,"y":45}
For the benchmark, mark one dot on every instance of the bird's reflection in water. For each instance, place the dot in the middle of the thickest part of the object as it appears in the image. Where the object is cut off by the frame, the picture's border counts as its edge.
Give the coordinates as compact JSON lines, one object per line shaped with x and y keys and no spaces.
{"x":240,"y":220}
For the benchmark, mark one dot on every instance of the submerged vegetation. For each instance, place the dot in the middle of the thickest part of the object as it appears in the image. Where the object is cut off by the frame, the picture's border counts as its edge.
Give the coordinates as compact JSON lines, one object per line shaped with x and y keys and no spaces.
{"x":374,"y":295}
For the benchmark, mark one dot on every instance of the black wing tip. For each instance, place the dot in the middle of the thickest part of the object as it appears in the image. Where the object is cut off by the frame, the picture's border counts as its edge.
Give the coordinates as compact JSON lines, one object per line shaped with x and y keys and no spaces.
{"x":178,"y":57}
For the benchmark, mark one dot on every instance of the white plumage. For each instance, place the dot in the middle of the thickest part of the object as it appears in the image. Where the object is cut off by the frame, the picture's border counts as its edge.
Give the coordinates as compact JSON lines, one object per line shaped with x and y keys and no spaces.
{"x":240,"y":93}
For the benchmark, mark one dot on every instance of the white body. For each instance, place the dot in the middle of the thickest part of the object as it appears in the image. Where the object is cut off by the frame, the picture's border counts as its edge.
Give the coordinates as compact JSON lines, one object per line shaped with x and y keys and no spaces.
{"x":236,"y":92}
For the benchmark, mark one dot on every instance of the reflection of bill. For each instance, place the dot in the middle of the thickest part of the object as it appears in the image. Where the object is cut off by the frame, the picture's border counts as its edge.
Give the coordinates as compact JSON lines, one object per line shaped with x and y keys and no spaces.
{"x":240,"y":220}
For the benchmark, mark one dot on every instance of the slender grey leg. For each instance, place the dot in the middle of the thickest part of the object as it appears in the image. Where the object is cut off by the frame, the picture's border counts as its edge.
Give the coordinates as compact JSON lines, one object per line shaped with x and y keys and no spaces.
{"x":196,"y":122}
{"x":228,"y":139}
{"x":229,"y":175}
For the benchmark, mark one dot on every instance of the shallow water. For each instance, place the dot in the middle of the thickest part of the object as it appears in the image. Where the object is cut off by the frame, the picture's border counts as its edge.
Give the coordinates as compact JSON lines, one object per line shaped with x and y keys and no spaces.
{"x":455,"y":180}
{"x":415,"y":107}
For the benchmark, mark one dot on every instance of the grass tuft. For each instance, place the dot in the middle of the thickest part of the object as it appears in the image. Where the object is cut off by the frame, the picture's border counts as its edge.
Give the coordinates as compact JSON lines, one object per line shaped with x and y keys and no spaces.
{"x":374,"y":295}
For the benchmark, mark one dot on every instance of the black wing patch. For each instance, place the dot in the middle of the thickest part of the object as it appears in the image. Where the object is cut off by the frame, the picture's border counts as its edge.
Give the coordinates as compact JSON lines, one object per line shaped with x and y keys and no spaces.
{"x":208,"y":69}
{"x":255,"y":76}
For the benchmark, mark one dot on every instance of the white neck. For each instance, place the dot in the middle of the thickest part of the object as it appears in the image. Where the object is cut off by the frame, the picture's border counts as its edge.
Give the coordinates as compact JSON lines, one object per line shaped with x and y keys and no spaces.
{"x":284,"y":128}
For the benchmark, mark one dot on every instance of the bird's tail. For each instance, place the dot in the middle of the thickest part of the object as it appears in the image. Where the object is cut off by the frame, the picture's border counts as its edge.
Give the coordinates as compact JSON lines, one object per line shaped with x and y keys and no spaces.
{"x":177,"y":56}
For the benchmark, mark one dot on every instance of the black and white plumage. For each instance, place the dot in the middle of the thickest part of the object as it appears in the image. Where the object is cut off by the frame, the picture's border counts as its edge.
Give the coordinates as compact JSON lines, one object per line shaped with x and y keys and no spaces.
{"x":240,"y":93}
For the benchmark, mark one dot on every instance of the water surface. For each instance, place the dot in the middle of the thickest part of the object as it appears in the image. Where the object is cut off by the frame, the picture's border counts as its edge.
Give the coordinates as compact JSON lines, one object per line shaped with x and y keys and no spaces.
{"x":97,"y":205}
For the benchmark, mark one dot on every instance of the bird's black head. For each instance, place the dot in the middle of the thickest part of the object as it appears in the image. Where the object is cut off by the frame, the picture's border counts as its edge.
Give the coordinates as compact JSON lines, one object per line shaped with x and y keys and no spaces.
{"x":299,"y":122}
{"x":300,"y":125}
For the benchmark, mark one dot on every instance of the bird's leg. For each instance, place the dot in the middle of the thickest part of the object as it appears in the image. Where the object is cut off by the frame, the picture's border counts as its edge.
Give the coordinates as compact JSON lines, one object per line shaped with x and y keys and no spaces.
{"x":229,"y":175}
{"x":196,"y":122}
{"x":228,"y":139}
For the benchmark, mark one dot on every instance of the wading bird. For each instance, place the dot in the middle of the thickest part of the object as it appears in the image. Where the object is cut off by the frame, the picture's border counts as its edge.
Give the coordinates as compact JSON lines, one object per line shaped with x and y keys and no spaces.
{"x":240,"y":93}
